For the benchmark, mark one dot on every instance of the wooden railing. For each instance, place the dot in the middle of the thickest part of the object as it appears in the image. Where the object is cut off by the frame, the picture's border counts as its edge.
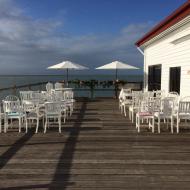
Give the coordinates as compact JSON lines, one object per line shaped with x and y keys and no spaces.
{"x":90,"y":89}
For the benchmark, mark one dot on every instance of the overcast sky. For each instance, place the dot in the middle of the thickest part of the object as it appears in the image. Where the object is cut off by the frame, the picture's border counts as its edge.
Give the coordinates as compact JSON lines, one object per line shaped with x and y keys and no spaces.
{"x":35,"y":34}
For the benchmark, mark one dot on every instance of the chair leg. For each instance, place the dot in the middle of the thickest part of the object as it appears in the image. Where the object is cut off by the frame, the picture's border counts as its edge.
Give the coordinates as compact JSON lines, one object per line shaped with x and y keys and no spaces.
{"x":129,"y":114}
{"x":132,"y":116}
{"x":125,"y":111}
{"x":178,"y":120}
{"x":138,"y":123}
{"x":5,"y":125}
{"x":19,"y":120}
{"x":158,"y":124}
{"x":37,"y":125}
{"x":26,"y":125}
{"x":172,"y":125}
{"x":45,"y":127}
{"x":152,"y":125}
{"x":59,"y":120}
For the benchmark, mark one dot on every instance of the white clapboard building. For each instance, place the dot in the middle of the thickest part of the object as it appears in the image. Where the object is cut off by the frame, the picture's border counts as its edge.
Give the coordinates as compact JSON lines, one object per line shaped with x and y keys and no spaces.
{"x":166,"y":50}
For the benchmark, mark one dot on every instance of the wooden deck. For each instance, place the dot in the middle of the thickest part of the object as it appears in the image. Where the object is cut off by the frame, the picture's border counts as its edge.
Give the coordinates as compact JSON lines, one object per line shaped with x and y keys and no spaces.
{"x":99,"y":149}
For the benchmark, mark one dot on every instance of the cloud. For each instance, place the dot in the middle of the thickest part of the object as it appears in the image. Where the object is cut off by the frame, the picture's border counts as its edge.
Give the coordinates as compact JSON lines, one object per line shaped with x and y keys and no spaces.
{"x":27,"y":43}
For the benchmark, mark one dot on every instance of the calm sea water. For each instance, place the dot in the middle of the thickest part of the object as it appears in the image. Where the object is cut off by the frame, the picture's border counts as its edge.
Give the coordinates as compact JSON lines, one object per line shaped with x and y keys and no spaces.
{"x":9,"y":81}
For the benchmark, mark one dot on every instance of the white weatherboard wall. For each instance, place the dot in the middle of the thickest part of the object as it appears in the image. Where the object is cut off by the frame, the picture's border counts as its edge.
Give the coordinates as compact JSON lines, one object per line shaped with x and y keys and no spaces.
{"x":172,"y":50}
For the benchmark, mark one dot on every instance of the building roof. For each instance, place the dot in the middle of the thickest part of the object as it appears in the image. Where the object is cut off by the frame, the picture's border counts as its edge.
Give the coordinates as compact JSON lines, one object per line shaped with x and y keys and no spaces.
{"x":179,"y":14}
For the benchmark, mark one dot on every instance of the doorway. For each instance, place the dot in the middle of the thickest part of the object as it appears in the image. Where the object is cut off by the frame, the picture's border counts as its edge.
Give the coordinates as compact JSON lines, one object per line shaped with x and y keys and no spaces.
{"x":175,"y":79}
{"x":154,"y":77}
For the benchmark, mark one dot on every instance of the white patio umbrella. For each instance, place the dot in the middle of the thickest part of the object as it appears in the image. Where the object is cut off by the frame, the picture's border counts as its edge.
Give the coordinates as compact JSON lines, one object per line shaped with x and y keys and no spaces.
{"x":67,"y":65}
{"x":115,"y":66}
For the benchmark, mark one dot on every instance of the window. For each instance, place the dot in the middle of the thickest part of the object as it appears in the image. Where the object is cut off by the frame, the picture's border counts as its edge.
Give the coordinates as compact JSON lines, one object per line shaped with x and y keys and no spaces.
{"x":175,"y":79}
{"x":154,"y":77}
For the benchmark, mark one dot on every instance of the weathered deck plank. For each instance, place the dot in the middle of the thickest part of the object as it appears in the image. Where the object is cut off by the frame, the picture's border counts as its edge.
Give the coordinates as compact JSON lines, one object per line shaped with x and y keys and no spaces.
{"x":98,"y":149}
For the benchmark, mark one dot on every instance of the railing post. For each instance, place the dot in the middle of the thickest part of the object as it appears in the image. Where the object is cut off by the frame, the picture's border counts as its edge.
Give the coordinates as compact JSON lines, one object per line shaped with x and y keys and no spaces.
{"x":92,"y":89}
{"x":14,"y":89}
{"x":116,"y":89}
{"x":29,"y":87}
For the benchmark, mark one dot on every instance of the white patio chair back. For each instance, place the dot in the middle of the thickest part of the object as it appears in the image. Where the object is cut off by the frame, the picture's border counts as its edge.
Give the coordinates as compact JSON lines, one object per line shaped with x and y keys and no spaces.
{"x":26,"y":95}
{"x":12,"y":106}
{"x":49,"y":87}
{"x":167,"y":106}
{"x":38,"y":97}
{"x":148,"y":95}
{"x":186,"y":99}
{"x":11,"y":98}
{"x":173,"y":94}
{"x":146,"y":106}
{"x":58,"y":85}
{"x":136,"y":98}
{"x":68,"y":95}
{"x":52,"y":108}
{"x":58,"y":95}
{"x":28,"y":107}
{"x":184,"y":107}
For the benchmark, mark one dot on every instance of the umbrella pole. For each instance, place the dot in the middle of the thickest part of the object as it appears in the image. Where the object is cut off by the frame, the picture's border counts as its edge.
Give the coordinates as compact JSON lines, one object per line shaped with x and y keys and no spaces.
{"x":116,"y":89}
{"x":67,"y":77}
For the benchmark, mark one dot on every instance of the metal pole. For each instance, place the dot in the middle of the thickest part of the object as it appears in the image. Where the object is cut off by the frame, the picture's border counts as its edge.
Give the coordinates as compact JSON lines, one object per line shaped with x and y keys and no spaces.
{"x":116,"y":74}
{"x":116,"y":83}
{"x":67,"y":77}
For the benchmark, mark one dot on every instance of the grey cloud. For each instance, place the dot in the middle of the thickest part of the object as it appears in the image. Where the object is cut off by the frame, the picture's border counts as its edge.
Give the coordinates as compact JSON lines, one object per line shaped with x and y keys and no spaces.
{"x":28,"y":46}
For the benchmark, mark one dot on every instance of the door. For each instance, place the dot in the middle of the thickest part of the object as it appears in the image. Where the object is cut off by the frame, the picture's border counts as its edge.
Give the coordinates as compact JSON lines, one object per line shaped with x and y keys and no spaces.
{"x":175,"y":79}
{"x":154,"y":77}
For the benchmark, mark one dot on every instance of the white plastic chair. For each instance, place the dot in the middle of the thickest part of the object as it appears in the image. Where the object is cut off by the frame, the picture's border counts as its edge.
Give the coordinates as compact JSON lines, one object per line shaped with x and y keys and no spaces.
{"x":11,"y":98}
{"x":33,"y":113}
{"x":165,"y":112}
{"x":145,"y":111}
{"x":26,"y":96}
{"x":136,"y":99}
{"x":183,"y":112}
{"x":58,"y":85}
{"x":52,"y":112}
{"x":120,"y":98}
{"x":13,"y":110}
{"x":49,"y":87}
{"x":69,"y":100}
{"x":125,"y":100}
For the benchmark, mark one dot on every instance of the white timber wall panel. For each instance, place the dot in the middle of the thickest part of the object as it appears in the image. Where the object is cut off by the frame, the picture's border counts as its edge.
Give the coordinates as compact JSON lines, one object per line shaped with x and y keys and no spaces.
{"x":168,"y":54}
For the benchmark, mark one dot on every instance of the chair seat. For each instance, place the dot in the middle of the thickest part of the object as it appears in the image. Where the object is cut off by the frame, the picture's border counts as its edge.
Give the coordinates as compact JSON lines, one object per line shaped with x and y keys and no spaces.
{"x":34,"y":115}
{"x":144,"y":114}
{"x":162,"y":115}
{"x":16,"y":114}
{"x":53,"y":115}
{"x":183,"y":115}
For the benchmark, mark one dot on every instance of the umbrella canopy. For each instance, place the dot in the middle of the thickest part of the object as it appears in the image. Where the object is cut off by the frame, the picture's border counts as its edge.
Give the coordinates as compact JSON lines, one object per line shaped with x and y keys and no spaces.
{"x":67,"y":65}
{"x":117,"y":65}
